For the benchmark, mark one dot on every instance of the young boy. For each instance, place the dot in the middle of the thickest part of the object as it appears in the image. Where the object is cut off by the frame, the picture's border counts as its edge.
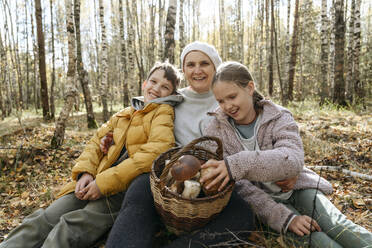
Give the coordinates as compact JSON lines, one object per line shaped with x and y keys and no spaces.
{"x":87,"y":206}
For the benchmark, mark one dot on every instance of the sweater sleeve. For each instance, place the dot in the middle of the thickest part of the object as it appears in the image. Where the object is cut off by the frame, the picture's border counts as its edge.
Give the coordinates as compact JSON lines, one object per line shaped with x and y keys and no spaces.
{"x":276,"y":215}
{"x":284,"y":160}
{"x":160,"y":139}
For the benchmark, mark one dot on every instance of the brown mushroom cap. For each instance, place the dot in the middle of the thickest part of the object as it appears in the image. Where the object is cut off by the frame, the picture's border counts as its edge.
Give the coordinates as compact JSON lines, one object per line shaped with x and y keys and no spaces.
{"x":185,"y":168}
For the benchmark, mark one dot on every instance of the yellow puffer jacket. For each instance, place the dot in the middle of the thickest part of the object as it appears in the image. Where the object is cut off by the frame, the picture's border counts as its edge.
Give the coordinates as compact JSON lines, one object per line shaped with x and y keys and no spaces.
{"x":146,"y":134}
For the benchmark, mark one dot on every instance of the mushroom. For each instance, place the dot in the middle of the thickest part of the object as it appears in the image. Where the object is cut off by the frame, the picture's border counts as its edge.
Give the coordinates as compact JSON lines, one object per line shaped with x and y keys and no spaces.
{"x":192,"y":189}
{"x":186,"y":167}
{"x":213,"y":190}
{"x":177,"y":187}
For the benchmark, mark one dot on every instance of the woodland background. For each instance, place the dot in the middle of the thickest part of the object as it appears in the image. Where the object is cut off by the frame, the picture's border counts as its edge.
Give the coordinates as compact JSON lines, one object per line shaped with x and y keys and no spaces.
{"x":66,"y":66}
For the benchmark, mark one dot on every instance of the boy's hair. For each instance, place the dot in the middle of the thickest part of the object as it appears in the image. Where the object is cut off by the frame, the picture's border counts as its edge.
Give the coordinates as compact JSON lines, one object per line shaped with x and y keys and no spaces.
{"x":234,"y":72}
{"x":171,"y":73}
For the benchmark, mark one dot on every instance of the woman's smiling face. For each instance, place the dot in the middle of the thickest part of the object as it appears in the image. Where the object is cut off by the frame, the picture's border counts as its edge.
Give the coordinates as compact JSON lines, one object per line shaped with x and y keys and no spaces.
{"x":199,"y":71}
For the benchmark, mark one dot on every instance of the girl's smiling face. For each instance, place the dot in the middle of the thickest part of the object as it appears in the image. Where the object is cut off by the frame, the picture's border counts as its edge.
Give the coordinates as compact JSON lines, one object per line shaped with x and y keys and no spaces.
{"x":199,"y":71}
{"x":156,"y":86}
{"x":236,"y":101}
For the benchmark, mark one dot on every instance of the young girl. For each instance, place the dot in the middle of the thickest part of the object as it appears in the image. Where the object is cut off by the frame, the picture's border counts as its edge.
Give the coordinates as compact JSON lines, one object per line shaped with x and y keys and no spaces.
{"x":262,"y":146}
{"x":88,"y":205}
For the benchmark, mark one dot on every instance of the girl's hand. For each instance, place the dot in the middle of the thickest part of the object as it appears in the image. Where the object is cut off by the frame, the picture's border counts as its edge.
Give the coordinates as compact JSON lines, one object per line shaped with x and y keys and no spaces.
{"x":301,"y":224}
{"x":218,"y":174}
{"x":92,"y":192}
{"x":106,"y":142}
{"x":287,"y":184}
{"x":84,"y":180}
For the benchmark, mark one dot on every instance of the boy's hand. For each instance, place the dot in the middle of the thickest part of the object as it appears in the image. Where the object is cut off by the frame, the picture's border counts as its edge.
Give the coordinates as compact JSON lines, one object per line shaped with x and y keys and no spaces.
{"x":106,"y":142}
{"x":84,"y":180}
{"x":300,"y":225}
{"x":92,"y":192}
{"x":287,"y":184}
{"x":219,"y":173}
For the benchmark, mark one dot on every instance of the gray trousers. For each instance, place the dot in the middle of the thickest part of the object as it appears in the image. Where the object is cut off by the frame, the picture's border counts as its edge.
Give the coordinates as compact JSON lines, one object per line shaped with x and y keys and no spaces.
{"x":337,"y":230}
{"x":67,"y":222}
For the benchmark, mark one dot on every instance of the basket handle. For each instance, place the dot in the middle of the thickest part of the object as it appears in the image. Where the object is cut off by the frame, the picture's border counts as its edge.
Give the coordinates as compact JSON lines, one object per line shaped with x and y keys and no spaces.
{"x":190,"y":146}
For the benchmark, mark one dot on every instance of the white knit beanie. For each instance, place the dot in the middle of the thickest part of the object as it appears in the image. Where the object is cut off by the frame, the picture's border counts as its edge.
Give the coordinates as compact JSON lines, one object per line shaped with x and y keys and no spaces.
{"x":205,"y":48}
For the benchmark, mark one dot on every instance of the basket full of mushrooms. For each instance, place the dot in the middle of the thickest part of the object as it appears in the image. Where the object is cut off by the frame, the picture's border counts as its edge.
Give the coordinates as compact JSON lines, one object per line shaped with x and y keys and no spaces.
{"x":183,"y":203}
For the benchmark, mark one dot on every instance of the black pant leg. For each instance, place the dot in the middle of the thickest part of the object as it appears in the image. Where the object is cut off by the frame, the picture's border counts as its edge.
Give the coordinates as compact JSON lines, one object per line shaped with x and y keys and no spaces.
{"x":236,"y":218}
{"x":138,"y":221}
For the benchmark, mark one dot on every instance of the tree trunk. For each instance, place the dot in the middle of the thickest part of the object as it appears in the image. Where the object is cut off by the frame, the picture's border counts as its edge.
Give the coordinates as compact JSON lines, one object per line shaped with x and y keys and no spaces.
{"x":358,"y":84}
{"x":271,"y":57}
{"x":42,"y":68}
{"x":292,"y":63}
{"x":83,"y":74}
{"x":71,"y":91}
{"x":130,"y":47}
{"x":169,"y":32}
{"x":339,"y":84}
{"x":350,"y":54}
{"x":28,"y":90}
{"x":182,"y":27}
{"x":160,"y":30}
{"x":331,"y":65}
{"x":222,"y":30}
{"x":104,"y":51}
{"x":53,"y":74}
{"x":123,"y":57}
{"x":277,"y":56}
{"x":324,"y":54}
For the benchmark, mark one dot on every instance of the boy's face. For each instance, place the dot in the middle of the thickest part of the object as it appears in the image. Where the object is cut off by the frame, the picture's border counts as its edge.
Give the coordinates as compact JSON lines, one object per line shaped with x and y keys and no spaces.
{"x":156,"y":86}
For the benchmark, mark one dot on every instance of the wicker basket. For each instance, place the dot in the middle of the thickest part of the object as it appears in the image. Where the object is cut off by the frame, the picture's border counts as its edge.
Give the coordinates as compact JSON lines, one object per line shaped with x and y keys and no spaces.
{"x":179,"y":214}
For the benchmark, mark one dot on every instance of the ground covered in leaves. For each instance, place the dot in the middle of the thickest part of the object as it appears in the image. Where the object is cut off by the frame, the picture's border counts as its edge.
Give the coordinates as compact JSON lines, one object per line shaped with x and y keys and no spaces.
{"x":31,"y":172}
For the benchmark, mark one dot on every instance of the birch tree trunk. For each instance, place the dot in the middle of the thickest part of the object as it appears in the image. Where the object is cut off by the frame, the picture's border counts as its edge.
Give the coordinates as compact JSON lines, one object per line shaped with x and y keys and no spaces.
{"x":2,"y":77}
{"x":350,"y":54}
{"x":53,"y":73}
{"x":83,"y":74}
{"x":42,"y":68}
{"x":240,"y":33}
{"x":271,"y":58}
{"x":222,"y":30}
{"x":71,"y":91}
{"x":160,"y":30}
{"x":182,"y":27}
{"x":169,"y":32}
{"x":339,"y":84}
{"x":104,"y":51}
{"x":324,"y":53}
{"x":293,"y":57}
{"x":130,"y":48}
{"x":123,"y":57}
{"x":151,"y":41}
{"x":358,"y":84}
{"x":36,"y":91}
{"x":277,"y":55}
{"x":331,"y":65}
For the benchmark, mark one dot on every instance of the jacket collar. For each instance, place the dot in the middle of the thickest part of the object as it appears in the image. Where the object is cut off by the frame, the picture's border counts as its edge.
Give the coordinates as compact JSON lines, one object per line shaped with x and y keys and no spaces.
{"x":138,"y":104}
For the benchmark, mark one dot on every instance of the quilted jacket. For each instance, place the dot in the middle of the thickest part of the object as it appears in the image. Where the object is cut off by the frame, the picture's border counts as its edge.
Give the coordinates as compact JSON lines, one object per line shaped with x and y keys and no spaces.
{"x":146,"y":133}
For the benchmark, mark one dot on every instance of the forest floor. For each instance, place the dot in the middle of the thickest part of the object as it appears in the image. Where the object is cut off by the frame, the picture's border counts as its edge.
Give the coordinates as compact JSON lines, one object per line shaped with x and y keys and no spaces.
{"x":31,"y":172}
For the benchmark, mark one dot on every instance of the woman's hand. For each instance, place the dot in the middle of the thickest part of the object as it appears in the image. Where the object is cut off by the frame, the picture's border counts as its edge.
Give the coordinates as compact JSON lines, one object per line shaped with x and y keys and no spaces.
{"x":84,"y":180}
{"x":92,"y":192}
{"x":301,"y":224}
{"x":287,"y":184}
{"x":218,"y":174}
{"x":106,"y":142}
